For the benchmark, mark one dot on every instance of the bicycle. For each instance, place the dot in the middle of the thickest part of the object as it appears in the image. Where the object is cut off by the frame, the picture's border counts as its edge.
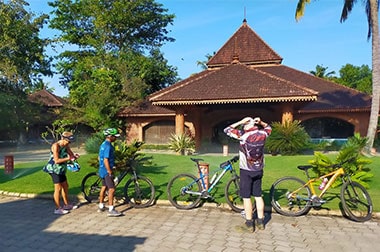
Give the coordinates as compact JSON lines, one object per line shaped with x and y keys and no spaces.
{"x":185,"y":191}
{"x":291,"y":196}
{"x":138,"y":190}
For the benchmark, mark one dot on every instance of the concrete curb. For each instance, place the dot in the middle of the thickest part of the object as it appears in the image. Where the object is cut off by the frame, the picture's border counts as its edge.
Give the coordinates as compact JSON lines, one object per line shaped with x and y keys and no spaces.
{"x":165,"y":203}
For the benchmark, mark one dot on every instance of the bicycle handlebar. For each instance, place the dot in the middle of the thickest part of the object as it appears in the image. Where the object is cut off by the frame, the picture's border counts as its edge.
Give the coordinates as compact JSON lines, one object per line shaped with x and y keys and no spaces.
{"x":232,"y":160}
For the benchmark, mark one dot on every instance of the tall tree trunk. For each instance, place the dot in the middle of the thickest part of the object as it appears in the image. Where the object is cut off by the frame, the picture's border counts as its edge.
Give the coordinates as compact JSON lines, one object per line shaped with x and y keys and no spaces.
{"x":373,"y":120}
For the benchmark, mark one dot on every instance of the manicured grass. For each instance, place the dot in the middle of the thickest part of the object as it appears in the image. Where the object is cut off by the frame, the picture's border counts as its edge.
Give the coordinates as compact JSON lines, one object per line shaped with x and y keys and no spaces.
{"x":29,"y":178}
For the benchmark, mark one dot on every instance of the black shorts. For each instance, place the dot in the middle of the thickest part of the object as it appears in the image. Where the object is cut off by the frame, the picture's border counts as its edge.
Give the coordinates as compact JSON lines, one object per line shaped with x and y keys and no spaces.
{"x":57,"y":179}
{"x":108,"y":181}
{"x":250,"y":183}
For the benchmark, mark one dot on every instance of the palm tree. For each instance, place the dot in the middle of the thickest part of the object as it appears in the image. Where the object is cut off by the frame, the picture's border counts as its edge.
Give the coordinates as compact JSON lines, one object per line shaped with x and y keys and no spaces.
{"x":203,"y":64}
{"x":320,"y":71}
{"x":372,"y":12}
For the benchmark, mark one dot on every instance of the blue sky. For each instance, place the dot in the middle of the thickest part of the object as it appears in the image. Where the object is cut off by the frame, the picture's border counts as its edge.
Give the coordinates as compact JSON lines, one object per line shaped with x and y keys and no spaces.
{"x":202,"y":27}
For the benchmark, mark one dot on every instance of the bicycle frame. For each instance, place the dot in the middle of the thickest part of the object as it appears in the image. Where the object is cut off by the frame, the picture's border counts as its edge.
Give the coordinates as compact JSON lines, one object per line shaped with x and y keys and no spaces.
{"x":332,"y":177}
{"x":225,"y":167}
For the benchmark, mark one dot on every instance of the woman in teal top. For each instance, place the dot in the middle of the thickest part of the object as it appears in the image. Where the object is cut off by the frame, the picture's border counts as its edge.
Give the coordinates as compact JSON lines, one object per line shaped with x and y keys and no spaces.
{"x":56,"y":167}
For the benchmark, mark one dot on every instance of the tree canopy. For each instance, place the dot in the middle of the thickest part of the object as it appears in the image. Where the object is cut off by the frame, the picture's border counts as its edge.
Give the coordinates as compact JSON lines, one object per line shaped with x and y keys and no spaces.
{"x":23,"y":63}
{"x":22,"y":52}
{"x":112,"y":54}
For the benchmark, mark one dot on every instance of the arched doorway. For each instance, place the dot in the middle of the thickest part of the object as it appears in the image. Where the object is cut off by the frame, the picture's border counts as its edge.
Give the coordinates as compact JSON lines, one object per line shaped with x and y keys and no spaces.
{"x":327,"y":127}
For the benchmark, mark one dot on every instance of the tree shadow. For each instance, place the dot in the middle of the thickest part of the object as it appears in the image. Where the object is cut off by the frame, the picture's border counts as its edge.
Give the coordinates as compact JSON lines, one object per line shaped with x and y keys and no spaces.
{"x":30,"y":225}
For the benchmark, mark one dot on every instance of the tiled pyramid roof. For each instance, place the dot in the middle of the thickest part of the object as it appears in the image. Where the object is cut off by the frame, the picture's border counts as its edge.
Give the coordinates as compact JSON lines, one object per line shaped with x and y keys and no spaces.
{"x":246,"y":47}
{"x":247,"y":70}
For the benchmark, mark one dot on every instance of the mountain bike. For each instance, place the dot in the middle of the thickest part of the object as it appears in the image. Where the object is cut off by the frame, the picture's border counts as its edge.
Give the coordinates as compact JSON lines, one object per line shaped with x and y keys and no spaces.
{"x":185,"y":191}
{"x":291,"y":196}
{"x":137,"y":191}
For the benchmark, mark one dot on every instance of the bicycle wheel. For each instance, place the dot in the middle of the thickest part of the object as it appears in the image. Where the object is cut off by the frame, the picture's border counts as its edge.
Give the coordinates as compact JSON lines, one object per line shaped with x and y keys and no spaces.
{"x":232,"y":194}
{"x":90,"y":187}
{"x":290,"y":197}
{"x":356,"y":201}
{"x":139,"y":192}
{"x":178,"y":191}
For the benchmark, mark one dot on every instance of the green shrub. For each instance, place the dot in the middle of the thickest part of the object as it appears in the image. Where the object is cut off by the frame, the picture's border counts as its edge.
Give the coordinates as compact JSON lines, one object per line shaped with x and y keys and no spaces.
{"x":351,"y":150}
{"x":289,"y":138}
{"x":93,"y":143}
{"x":182,"y":144}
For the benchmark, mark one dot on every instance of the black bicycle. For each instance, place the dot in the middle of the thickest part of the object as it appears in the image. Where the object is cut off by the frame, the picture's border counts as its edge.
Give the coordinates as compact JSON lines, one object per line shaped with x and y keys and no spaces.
{"x":185,"y":191}
{"x":137,"y":191}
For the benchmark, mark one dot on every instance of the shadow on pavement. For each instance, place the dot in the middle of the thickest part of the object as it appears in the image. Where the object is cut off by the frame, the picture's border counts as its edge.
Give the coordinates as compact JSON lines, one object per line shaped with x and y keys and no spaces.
{"x":30,"y":225}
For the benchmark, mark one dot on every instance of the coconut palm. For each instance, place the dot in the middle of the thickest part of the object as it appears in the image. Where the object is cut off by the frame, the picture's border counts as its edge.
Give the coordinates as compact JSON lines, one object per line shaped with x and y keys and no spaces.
{"x":372,"y":12}
{"x":320,"y":71}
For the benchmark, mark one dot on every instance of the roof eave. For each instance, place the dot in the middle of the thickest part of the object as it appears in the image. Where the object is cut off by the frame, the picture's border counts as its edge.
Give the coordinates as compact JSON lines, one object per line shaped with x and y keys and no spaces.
{"x":235,"y":101}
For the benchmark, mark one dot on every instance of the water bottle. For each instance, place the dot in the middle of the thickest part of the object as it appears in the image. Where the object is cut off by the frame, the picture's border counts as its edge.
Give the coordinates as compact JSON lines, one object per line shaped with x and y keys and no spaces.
{"x":323,"y":184}
{"x":116,"y":180}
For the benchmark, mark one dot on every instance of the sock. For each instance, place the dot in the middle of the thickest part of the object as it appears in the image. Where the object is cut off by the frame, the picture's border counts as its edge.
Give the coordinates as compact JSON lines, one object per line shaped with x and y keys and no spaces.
{"x":110,"y":208}
{"x":101,"y":205}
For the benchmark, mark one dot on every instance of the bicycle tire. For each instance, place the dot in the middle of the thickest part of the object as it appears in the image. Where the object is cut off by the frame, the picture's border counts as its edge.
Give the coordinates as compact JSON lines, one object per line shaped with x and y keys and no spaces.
{"x":232,"y":194}
{"x":90,"y":187}
{"x":356,"y":202}
{"x":139,"y":192}
{"x":295,"y":204}
{"x":176,"y":191}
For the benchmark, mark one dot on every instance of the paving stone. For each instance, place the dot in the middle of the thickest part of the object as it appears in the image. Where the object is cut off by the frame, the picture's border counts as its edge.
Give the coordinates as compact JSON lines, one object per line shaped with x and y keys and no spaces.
{"x":30,"y":225}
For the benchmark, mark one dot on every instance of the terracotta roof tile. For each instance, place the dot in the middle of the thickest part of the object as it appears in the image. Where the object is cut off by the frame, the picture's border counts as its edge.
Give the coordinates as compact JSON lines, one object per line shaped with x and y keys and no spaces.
{"x":235,"y":83}
{"x":46,"y":98}
{"x":145,"y":108}
{"x":246,"y":47}
{"x":332,"y":96}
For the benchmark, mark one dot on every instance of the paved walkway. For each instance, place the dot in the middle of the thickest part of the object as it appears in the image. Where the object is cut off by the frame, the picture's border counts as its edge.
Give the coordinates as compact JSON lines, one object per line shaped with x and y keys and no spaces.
{"x":30,"y":153}
{"x":30,"y":225}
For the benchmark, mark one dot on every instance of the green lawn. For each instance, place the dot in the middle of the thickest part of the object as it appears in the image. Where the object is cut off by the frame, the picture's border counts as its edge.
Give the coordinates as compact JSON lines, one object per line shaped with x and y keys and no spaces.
{"x":29,"y":178}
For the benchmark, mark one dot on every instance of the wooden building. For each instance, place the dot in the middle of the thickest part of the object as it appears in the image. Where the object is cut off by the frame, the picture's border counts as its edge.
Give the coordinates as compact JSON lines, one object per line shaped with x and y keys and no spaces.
{"x":246,"y":77}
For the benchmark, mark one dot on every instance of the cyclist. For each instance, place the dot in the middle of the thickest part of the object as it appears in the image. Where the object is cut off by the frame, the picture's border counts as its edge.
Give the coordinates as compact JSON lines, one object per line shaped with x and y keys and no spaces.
{"x":60,"y":155}
{"x":106,"y":165}
{"x":252,"y":138}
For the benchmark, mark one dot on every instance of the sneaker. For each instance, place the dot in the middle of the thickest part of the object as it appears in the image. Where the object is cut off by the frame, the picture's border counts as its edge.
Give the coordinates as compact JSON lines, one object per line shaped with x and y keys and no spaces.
{"x":246,"y":227}
{"x":70,"y":207}
{"x":260,"y":224}
{"x":61,"y":211}
{"x":101,"y":209}
{"x":113,"y":213}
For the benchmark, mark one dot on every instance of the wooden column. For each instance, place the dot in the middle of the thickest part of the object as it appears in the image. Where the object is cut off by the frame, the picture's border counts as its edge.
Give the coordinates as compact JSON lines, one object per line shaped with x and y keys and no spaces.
{"x":179,"y":123}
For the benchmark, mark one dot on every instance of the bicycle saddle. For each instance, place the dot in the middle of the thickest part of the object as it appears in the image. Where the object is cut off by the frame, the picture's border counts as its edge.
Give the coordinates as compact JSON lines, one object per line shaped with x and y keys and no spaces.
{"x":304,"y":167}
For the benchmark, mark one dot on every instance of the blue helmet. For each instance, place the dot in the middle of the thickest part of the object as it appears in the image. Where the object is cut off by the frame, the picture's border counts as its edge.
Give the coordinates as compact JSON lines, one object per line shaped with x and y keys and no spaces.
{"x":74,"y":167}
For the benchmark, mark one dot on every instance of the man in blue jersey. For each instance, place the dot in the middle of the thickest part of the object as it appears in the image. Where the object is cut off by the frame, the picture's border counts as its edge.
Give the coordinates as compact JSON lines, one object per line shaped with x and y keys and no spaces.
{"x":106,"y":165}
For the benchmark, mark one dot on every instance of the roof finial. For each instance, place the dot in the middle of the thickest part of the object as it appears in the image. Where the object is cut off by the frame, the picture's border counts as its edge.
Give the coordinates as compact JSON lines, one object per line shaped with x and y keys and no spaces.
{"x":245,"y":16}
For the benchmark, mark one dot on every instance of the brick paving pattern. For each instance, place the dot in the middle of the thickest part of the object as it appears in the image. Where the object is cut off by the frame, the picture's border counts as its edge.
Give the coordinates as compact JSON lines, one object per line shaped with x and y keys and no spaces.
{"x":30,"y":225}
